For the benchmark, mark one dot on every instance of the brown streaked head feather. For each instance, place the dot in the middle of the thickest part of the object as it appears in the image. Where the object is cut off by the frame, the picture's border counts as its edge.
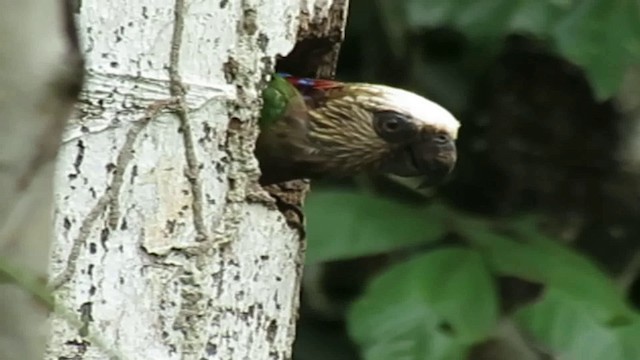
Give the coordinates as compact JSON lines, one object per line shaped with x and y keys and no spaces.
{"x":335,"y":134}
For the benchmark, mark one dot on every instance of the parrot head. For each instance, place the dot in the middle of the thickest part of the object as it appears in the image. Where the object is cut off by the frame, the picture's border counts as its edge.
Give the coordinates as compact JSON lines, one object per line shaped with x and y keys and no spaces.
{"x":385,"y":129}
{"x":347,"y":128}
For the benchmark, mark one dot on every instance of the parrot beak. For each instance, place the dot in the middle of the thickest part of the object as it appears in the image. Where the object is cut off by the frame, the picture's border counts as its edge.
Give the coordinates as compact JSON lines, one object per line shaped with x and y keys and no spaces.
{"x":436,"y":158}
{"x":433,"y":156}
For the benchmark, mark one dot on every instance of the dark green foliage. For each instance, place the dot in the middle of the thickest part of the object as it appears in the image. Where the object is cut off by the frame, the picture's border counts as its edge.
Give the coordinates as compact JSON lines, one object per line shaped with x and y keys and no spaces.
{"x":536,"y":196}
{"x":408,"y":312}
{"x":601,"y":36}
{"x":567,"y":324}
{"x":436,"y":305}
{"x":384,"y":232}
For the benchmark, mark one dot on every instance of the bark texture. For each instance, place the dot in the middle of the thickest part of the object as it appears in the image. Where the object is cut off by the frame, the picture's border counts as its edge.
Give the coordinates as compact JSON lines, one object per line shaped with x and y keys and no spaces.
{"x":166,"y":246}
{"x":40,"y":75}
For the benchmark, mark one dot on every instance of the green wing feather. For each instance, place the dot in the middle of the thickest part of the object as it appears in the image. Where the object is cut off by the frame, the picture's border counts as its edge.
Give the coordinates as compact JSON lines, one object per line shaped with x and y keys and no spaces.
{"x":276,"y":98}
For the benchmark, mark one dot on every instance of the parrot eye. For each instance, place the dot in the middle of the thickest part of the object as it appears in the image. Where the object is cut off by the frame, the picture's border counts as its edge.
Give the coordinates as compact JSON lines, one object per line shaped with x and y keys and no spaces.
{"x":393,"y":126}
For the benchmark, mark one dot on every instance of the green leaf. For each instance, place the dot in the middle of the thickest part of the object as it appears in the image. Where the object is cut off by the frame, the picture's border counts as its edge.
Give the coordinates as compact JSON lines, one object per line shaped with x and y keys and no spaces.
{"x":488,"y":19}
{"x":537,"y":17}
{"x":629,"y":336}
{"x":484,"y":19}
{"x":568,"y":327}
{"x":431,"y":13}
{"x":523,"y":250}
{"x":344,"y":224}
{"x":431,"y":307}
{"x":601,"y":36}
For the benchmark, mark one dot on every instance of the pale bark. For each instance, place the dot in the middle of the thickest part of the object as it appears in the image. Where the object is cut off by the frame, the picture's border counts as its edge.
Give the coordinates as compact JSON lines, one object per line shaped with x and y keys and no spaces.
{"x":39,"y":78}
{"x":166,"y":247}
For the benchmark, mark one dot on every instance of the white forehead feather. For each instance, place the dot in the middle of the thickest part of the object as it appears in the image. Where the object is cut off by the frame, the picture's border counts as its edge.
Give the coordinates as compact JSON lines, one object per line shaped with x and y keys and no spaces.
{"x":418,"y":107}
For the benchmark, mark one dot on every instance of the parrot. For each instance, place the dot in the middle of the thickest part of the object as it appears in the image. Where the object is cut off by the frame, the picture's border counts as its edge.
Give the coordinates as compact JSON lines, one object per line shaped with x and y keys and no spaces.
{"x":317,"y":128}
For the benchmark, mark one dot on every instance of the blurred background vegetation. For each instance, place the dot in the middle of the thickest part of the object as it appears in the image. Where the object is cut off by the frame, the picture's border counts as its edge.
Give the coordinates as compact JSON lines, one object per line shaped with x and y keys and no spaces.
{"x":531,"y":250}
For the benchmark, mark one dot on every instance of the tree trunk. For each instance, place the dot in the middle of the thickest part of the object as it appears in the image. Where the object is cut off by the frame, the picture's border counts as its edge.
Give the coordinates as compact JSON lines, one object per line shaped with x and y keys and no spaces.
{"x":166,"y":246}
{"x":40,"y":76}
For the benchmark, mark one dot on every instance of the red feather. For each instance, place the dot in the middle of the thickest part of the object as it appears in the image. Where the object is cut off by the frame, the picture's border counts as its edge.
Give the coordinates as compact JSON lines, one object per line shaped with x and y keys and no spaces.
{"x":309,"y":83}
